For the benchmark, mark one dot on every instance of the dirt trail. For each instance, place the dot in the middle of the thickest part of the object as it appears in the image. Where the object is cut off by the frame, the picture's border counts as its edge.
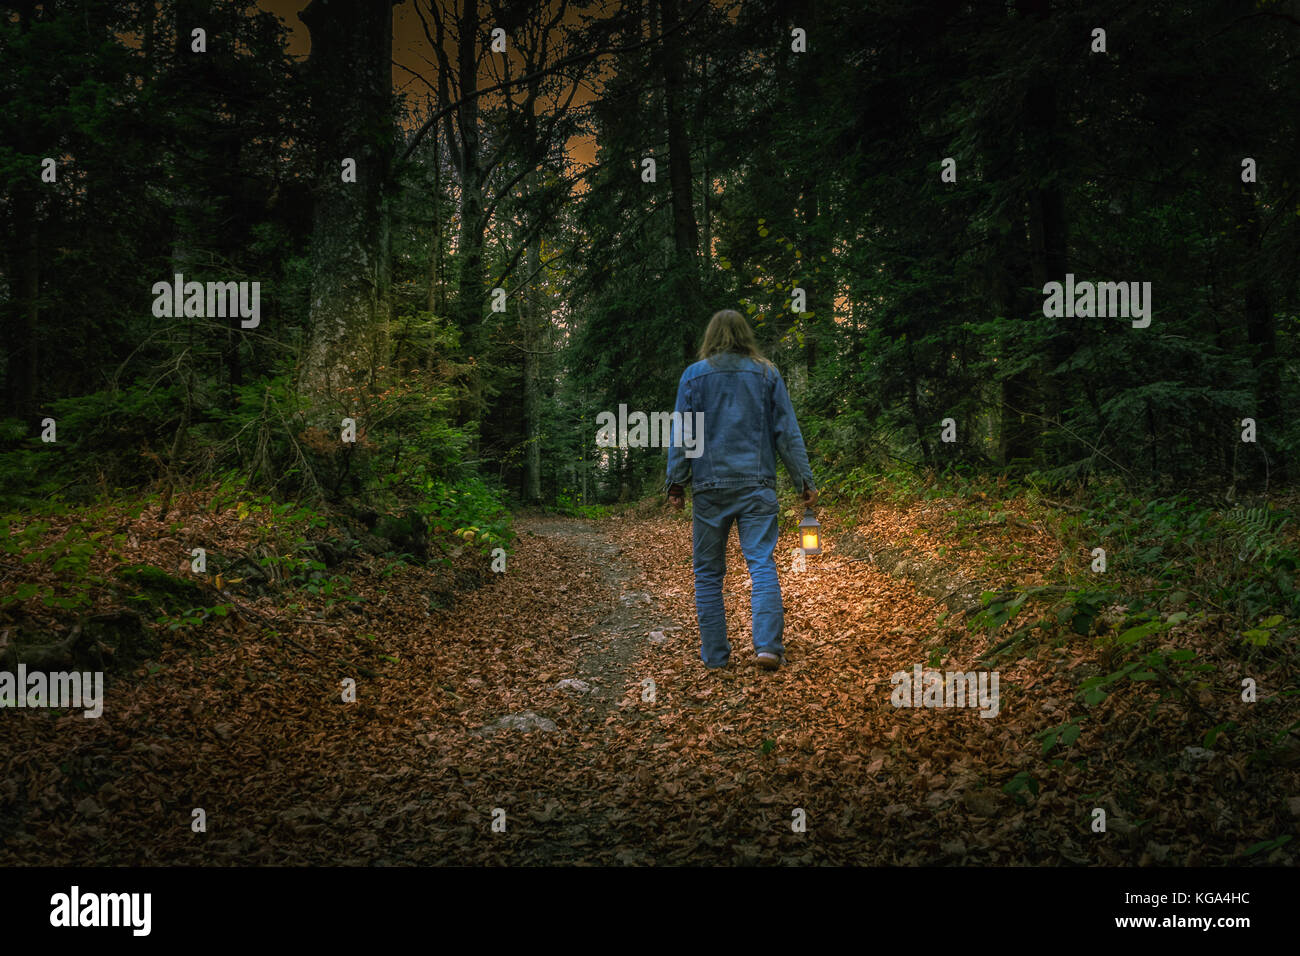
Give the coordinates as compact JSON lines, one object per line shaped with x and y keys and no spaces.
{"x":557,"y":714}
{"x":665,"y":762}
{"x":626,"y":606}
{"x":560,"y":713}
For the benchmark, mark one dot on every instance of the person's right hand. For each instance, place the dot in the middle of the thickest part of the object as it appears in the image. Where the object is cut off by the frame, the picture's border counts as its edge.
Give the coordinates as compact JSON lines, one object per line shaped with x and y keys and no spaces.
{"x":810,"y":497}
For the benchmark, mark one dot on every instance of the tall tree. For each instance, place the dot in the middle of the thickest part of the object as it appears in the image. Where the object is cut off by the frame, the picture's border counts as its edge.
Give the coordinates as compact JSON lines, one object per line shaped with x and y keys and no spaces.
{"x":351,"y":104}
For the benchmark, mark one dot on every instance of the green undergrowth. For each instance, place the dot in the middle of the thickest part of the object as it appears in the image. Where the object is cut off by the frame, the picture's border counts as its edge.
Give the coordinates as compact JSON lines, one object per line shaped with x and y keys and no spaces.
{"x":1184,"y":607}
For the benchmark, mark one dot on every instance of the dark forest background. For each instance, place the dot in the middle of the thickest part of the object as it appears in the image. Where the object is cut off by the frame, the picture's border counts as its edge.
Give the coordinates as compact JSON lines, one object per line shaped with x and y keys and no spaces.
{"x":775,"y":170}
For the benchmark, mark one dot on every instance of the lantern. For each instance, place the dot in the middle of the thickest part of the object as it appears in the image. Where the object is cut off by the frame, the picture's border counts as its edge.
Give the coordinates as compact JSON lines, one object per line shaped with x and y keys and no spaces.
{"x":810,"y":538}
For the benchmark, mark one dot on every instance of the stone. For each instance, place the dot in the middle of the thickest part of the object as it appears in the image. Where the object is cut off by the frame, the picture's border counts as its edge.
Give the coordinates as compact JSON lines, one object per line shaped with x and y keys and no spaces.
{"x":1192,"y":757}
{"x":525,"y":721}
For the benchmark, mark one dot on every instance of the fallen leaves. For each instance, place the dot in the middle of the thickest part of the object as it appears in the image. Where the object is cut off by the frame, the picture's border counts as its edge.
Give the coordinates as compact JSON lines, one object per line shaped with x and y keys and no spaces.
{"x":527,"y":696}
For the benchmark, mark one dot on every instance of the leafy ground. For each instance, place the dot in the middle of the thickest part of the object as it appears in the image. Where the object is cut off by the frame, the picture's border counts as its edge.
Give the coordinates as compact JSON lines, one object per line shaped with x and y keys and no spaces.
{"x":565,"y":698}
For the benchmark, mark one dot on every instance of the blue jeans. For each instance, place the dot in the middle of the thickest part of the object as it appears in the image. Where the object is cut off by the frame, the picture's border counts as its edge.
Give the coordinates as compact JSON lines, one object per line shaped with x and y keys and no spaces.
{"x":754,"y":511}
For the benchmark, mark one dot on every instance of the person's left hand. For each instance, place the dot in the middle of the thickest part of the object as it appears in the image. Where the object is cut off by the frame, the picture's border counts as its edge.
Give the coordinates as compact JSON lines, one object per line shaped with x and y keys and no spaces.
{"x":677,"y":497}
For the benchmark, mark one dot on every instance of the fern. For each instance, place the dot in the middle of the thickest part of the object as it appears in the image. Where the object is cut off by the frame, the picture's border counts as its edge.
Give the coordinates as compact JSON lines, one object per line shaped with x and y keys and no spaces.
{"x":1254,"y":532}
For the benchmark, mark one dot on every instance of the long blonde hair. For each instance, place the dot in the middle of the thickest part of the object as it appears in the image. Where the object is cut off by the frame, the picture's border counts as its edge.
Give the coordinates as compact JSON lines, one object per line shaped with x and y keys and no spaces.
{"x":729,"y":332}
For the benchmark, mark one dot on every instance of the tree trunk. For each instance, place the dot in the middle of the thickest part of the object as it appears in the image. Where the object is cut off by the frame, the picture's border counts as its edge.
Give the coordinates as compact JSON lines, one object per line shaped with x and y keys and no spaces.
{"x":435,"y":244}
{"x":1021,"y":394}
{"x":705,"y":182}
{"x":1048,"y":228}
{"x":350,"y":70}
{"x":22,"y":268}
{"x":469,"y":247}
{"x":533,"y":324}
{"x":23,"y":309}
{"x":686,"y":239}
{"x":1261,"y":328}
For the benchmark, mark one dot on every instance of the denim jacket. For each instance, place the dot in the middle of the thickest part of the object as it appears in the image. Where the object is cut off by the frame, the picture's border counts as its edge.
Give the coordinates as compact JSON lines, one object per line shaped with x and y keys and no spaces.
{"x":747,"y":421}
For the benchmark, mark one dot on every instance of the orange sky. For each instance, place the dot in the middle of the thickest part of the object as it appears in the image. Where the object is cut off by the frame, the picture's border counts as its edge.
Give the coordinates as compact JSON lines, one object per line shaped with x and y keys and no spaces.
{"x":411,"y":50}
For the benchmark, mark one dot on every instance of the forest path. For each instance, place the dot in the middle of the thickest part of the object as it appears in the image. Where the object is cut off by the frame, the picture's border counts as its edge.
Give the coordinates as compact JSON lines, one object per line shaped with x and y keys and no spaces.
{"x":558,"y":713}
{"x":623,"y":602}
{"x":663,"y":761}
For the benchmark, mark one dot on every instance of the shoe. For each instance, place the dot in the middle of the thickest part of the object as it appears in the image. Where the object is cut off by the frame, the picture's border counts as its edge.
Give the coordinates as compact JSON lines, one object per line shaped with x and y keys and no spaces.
{"x":769,"y":661}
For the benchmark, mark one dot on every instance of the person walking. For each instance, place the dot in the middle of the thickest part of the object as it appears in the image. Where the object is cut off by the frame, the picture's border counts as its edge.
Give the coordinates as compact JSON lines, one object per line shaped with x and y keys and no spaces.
{"x":747,"y":421}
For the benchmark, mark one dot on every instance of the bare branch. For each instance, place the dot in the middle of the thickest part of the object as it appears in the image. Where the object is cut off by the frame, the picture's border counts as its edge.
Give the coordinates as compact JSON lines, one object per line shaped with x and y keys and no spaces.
{"x":450,"y":108}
